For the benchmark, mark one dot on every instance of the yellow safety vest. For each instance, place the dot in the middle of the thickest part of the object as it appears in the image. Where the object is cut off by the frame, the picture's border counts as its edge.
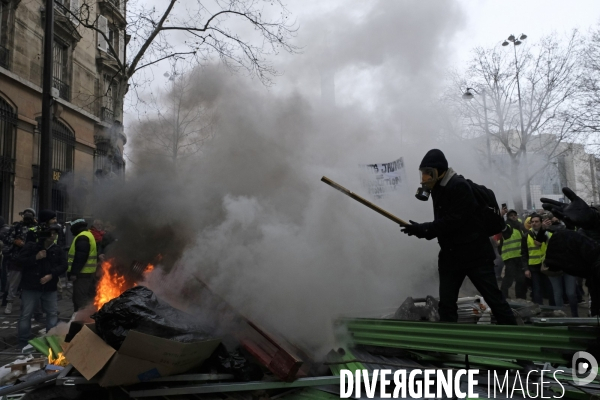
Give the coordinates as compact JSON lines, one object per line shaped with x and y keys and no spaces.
{"x":537,"y":254}
{"x":511,"y":247}
{"x":92,"y":261}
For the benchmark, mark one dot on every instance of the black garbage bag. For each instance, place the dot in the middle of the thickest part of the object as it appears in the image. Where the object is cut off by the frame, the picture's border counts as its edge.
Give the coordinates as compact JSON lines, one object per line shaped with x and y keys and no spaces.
{"x":139,"y":309}
{"x":234,"y":362}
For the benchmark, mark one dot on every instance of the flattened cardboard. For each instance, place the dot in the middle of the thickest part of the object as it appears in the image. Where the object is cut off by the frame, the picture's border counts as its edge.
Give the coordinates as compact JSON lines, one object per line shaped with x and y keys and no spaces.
{"x":141,"y":357}
{"x":125,"y":370}
{"x":167,"y":352}
{"x":88,"y":352}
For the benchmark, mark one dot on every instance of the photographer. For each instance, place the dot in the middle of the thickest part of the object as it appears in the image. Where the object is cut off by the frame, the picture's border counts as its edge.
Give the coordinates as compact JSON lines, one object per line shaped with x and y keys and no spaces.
{"x":15,"y":239}
{"x":41,"y":262}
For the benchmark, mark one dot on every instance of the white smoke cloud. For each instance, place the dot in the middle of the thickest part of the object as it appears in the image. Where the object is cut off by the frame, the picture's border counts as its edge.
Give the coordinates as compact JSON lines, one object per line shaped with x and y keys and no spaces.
{"x":250,"y":218}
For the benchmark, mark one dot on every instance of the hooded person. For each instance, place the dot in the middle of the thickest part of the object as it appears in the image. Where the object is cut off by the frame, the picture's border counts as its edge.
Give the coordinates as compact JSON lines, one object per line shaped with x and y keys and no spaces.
{"x":82,"y":262}
{"x":47,"y":217}
{"x":465,"y":251}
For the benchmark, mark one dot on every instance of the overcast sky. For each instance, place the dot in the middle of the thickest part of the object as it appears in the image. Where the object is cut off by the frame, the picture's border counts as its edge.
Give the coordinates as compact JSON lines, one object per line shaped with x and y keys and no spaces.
{"x":383,"y":50}
{"x":490,"y":22}
{"x":475,"y":23}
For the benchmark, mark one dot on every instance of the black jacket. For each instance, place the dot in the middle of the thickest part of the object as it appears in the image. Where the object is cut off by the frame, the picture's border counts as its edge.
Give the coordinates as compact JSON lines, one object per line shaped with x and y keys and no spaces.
{"x":454,"y":225}
{"x":33,"y":270}
{"x":573,"y":253}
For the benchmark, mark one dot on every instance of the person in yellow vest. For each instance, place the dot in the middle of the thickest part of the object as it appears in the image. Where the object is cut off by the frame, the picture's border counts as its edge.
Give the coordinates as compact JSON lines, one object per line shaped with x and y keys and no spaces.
{"x":510,"y":250}
{"x":82,"y":261}
{"x":533,"y":253}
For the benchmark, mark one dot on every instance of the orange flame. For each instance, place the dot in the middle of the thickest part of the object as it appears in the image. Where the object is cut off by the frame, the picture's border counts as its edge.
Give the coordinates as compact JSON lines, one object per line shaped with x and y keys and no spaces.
{"x":111,"y":284}
{"x":60,"y":360}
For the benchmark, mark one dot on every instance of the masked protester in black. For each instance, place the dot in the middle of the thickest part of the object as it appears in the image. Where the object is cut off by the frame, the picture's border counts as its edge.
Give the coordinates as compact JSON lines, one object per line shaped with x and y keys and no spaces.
{"x":464,"y":250}
{"x":42,"y":262}
{"x":576,"y":252}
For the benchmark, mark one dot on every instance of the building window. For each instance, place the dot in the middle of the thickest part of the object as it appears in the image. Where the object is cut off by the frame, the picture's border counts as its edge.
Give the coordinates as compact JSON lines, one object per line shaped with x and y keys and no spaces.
{"x":112,"y":39}
{"x":8,"y":123}
{"x":108,"y":99}
{"x":100,"y":162}
{"x":60,"y":71}
{"x":118,"y":163}
{"x":4,"y":30}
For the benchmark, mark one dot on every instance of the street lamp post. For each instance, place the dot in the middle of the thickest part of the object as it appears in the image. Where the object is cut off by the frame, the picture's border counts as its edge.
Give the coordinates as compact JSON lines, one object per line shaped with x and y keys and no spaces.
{"x":515,"y":42}
{"x":469,"y":96}
{"x":45,"y":171}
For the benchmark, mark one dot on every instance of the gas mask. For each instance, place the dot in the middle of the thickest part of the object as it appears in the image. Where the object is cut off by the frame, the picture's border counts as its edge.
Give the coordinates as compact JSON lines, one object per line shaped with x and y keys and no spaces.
{"x":428,"y":176}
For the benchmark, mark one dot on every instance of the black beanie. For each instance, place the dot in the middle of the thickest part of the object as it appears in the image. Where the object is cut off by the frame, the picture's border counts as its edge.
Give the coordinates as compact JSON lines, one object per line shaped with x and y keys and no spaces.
{"x":46,"y":215}
{"x":435,"y":159}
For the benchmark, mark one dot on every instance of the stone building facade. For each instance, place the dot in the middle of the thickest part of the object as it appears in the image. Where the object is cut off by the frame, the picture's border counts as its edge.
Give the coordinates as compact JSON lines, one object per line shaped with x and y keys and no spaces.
{"x":88,"y":135}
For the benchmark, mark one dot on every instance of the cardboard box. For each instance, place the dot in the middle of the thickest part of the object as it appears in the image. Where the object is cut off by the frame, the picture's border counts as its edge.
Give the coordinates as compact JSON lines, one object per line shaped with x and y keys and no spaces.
{"x":141,"y":358}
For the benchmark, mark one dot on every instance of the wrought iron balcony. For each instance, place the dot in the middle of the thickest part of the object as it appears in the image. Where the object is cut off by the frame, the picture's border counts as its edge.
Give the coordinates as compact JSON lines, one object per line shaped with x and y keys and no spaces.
{"x":4,"y":53}
{"x":64,"y":91}
{"x":107,"y":115}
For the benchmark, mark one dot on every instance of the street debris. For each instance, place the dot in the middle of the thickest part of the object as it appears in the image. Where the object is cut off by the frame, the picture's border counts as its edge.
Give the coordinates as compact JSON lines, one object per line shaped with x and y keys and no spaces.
{"x":144,"y":348}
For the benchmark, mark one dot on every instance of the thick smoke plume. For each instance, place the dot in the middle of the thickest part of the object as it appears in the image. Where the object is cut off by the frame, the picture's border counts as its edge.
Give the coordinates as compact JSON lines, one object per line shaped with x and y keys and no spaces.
{"x":249,"y":217}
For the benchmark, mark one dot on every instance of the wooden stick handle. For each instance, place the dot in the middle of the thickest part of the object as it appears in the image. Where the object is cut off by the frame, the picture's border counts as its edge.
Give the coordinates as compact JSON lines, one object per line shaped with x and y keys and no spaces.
{"x":364,"y":202}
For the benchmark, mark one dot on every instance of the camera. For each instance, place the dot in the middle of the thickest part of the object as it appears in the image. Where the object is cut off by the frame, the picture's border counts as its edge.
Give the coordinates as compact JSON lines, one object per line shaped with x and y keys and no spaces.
{"x":44,"y":230}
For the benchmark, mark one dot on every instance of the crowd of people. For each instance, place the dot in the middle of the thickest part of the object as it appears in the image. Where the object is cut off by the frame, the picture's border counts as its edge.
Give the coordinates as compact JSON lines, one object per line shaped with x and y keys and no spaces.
{"x":37,"y":264}
{"x":521,"y":250}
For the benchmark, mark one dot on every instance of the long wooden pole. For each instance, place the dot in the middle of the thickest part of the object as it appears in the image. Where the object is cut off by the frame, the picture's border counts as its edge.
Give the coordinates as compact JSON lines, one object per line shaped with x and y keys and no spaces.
{"x":364,"y":202}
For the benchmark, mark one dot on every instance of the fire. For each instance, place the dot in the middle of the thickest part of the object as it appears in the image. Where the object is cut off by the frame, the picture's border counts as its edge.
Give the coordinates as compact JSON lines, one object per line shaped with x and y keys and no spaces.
{"x":60,"y":360}
{"x":112,"y":283}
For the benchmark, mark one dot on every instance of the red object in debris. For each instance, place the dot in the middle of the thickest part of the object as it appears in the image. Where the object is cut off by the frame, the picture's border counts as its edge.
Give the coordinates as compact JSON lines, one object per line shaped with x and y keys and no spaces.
{"x":262,"y":346}
{"x":270,"y":354}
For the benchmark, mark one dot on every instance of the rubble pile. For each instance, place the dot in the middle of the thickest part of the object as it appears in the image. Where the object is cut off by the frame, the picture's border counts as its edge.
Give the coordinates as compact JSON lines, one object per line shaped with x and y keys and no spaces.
{"x":140,"y":347}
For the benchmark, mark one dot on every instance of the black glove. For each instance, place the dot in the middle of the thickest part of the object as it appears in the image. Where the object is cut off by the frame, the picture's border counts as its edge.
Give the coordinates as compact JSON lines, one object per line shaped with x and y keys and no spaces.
{"x":577,"y":212}
{"x":541,"y":236}
{"x":422,"y":231}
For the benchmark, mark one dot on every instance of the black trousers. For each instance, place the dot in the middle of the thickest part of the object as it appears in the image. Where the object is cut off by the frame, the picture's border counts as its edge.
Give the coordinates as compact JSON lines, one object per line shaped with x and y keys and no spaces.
{"x":513,"y":272}
{"x":483,"y":277}
{"x":84,"y":290}
{"x":594,"y":291}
